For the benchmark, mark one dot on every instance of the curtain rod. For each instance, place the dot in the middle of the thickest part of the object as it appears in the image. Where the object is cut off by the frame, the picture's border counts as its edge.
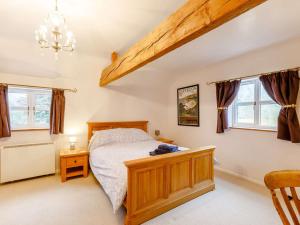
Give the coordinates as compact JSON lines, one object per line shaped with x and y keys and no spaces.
{"x":251,"y":76}
{"x":74,"y":90}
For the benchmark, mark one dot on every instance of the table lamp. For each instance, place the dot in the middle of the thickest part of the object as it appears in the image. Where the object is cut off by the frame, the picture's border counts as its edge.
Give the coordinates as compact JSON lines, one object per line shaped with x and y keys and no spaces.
{"x":72,"y":141}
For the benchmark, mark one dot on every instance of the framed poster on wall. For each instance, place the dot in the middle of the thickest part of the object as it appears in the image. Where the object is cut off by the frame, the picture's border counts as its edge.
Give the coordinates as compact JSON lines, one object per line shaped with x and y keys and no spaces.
{"x":188,"y":106}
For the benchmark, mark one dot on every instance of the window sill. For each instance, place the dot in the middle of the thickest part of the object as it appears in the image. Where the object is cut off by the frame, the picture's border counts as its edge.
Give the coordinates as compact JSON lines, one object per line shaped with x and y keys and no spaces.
{"x":32,"y":129}
{"x":253,"y":129}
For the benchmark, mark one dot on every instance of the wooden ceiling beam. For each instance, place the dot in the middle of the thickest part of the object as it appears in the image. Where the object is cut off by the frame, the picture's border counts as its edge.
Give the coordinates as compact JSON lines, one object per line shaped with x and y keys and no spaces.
{"x":193,"y":19}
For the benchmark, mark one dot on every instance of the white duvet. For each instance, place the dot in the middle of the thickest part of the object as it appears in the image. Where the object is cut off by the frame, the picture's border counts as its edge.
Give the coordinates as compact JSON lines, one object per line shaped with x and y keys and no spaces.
{"x":107,"y":164}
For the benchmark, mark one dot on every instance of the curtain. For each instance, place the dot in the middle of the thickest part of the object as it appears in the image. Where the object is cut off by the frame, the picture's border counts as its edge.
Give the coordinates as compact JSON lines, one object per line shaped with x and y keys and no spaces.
{"x":57,"y":111}
{"x":226,"y":93}
{"x":5,"y":130}
{"x":283,"y":88}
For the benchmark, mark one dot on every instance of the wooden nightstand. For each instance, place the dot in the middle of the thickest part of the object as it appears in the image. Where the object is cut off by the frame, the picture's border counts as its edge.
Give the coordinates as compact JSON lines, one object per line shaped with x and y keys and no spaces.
{"x":165,"y":140}
{"x":73,"y":163}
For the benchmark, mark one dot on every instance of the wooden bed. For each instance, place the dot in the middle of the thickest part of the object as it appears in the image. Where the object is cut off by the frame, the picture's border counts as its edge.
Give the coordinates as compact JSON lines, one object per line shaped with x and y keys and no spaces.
{"x":159,"y":183}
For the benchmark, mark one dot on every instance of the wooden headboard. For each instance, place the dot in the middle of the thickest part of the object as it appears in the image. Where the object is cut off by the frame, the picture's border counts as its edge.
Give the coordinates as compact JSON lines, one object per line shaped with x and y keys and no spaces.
{"x":94,"y":126}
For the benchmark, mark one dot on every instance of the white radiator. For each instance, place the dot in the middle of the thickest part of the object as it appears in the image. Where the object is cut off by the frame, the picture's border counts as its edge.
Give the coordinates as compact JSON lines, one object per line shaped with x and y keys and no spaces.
{"x":26,"y":160}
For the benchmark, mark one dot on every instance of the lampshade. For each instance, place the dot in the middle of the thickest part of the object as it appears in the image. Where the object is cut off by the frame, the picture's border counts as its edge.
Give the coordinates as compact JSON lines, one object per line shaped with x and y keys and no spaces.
{"x":72,"y":139}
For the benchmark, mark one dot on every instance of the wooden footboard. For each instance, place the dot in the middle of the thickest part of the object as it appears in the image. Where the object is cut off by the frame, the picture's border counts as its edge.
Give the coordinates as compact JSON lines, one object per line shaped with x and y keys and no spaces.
{"x":159,"y":183}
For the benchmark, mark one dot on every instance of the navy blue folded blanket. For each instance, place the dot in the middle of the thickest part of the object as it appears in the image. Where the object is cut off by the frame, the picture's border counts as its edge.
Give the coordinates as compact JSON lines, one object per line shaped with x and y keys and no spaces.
{"x":163,"y":149}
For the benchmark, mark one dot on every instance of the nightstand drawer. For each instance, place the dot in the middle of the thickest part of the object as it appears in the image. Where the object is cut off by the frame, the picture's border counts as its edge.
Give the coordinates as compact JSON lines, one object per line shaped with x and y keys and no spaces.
{"x":75,"y":161}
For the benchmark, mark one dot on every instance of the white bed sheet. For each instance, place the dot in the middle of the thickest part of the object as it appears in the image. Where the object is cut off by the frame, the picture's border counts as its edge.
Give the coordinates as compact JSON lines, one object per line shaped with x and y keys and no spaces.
{"x":107,"y":164}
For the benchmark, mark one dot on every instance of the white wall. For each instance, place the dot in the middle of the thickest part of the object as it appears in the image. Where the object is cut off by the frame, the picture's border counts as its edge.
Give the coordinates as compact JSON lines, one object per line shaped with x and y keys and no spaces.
{"x":148,"y":95}
{"x":248,"y":153}
{"x":137,"y":98}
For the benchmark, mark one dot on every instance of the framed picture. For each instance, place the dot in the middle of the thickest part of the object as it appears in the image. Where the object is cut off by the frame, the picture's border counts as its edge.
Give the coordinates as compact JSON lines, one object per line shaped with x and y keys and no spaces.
{"x":188,"y":106}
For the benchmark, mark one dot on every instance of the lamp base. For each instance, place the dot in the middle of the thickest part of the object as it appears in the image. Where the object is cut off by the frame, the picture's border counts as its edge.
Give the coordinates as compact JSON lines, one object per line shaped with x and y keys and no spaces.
{"x":72,"y":146}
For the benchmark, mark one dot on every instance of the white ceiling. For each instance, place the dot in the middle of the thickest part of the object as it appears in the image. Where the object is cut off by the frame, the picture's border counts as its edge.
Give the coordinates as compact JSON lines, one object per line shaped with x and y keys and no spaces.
{"x":103,"y":26}
{"x":99,"y":25}
{"x":274,"y":21}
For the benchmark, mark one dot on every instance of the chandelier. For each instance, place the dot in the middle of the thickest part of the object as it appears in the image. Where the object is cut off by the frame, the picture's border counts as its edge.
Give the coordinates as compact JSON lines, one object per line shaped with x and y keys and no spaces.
{"x":54,"y":33}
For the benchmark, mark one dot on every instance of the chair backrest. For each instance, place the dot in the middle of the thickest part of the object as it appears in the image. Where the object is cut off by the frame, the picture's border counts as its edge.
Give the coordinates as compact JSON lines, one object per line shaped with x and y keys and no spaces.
{"x":284,"y":180}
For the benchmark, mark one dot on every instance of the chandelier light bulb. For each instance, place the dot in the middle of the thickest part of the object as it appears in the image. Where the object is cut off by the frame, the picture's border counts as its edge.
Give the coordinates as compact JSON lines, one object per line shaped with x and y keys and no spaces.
{"x":69,"y":35}
{"x":37,"y":36}
{"x":56,"y":19}
{"x":43,"y":29}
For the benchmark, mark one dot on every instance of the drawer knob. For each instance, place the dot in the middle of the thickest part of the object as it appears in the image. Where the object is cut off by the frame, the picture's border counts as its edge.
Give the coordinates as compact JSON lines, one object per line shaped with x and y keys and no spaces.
{"x":75,"y":161}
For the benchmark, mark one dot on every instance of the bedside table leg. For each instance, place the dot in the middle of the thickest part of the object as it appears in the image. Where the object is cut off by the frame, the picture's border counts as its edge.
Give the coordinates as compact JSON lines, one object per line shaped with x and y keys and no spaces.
{"x":63,"y":178}
{"x":86,"y":167}
{"x":85,"y":172}
{"x":63,"y":170}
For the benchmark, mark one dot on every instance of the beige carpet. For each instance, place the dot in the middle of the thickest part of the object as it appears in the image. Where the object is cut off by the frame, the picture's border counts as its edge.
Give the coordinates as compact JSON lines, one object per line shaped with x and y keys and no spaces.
{"x":81,"y":201}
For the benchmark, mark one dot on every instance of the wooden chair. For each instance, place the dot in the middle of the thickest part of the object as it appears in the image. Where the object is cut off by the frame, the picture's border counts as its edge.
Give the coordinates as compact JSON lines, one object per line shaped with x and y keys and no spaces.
{"x":282,"y":180}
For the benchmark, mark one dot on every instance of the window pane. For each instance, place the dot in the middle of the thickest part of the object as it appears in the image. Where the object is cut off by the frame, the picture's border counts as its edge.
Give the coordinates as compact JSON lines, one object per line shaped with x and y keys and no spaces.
{"x":42,"y":109}
{"x":42,"y":101}
{"x":269,"y":115}
{"x":18,"y":100}
{"x":246,"y":93}
{"x":264,"y":95}
{"x":245,"y":114}
{"x":18,"y":118}
{"x":42,"y":117}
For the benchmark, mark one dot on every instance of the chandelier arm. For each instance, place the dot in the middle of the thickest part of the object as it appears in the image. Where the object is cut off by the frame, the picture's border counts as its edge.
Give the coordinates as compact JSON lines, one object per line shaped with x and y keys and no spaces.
{"x":44,"y":46}
{"x":67,"y":48}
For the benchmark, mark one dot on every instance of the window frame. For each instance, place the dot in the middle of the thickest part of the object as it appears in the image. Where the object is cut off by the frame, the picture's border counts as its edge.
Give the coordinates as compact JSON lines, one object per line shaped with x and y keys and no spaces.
{"x":31,"y":108}
{"x":257,"y":104}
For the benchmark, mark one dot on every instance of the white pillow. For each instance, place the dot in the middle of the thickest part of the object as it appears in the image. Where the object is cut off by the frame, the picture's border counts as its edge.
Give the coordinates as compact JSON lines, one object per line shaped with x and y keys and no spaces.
{"x":118,"y":135}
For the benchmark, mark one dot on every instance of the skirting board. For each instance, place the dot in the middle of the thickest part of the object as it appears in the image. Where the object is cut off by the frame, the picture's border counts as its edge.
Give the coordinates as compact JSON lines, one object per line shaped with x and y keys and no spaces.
{"x":239,"y":175}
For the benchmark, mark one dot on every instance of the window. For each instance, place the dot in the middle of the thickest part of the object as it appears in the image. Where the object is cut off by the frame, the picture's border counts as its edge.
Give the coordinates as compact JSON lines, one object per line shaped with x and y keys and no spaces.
{"x":253,"y":108}
{"x":29,"y":108}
